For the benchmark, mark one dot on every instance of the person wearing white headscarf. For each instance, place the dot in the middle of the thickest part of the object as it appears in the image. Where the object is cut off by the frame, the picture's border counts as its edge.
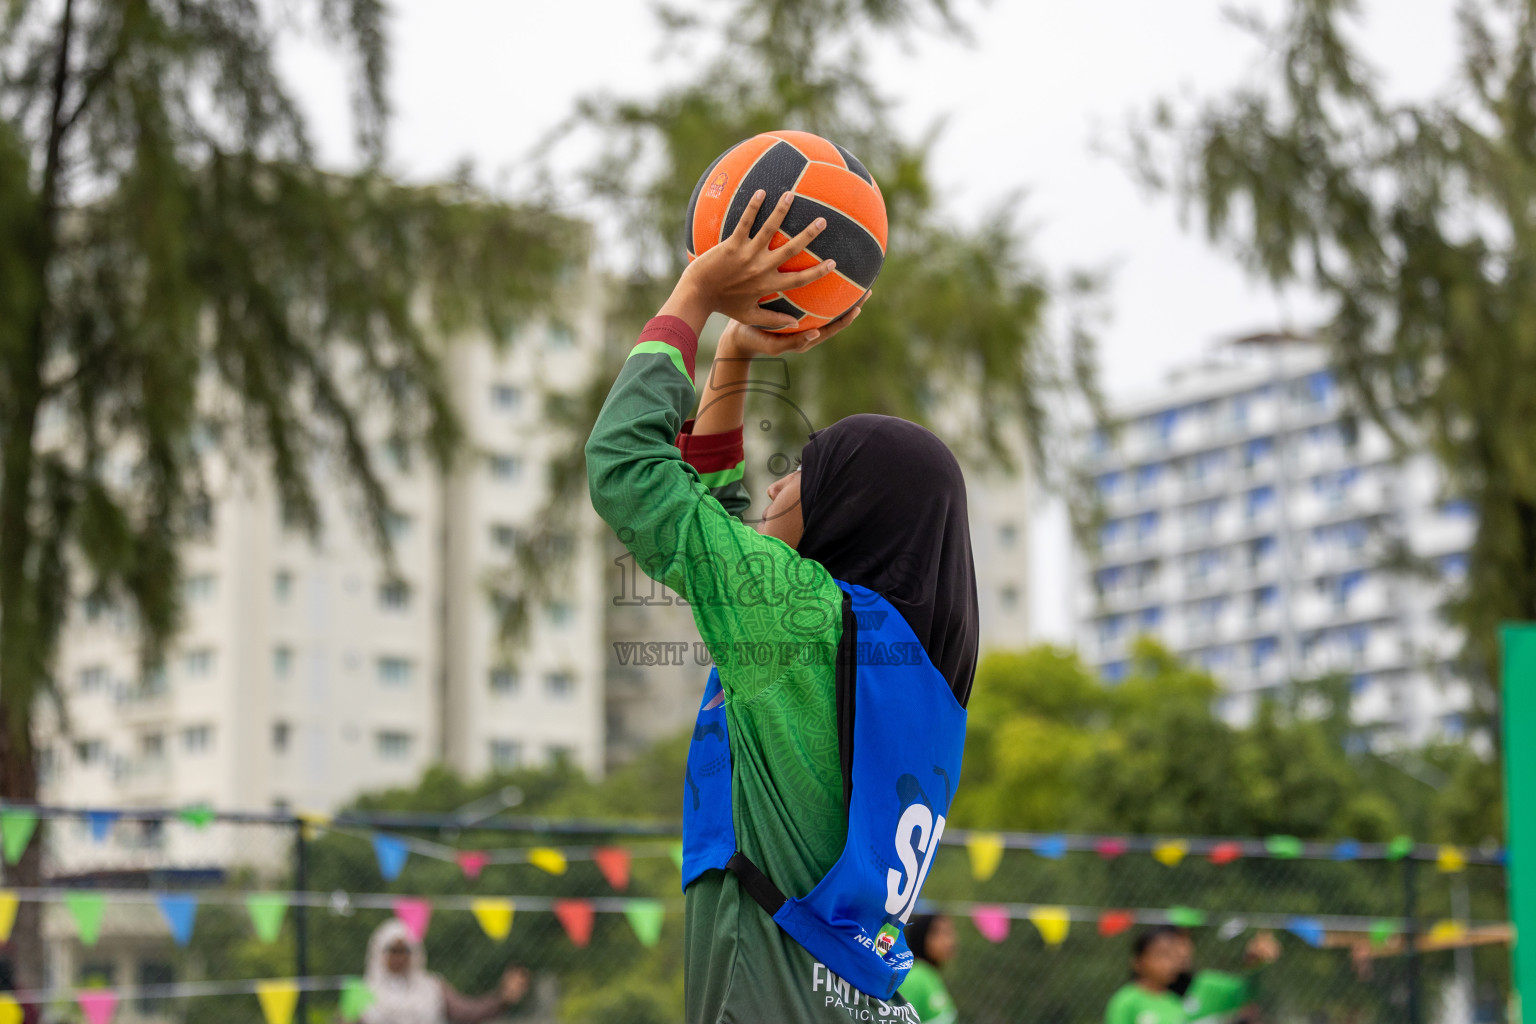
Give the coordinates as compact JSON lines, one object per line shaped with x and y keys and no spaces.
{"x":405,"y":992}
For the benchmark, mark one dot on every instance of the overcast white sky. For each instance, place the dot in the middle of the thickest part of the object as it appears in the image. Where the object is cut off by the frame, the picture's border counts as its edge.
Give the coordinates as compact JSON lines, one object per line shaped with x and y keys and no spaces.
{"x":487,"y":79}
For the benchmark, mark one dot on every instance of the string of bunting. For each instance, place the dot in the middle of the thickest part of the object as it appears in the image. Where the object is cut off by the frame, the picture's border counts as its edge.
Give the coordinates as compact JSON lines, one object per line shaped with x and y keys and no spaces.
{"x":277,"y":997}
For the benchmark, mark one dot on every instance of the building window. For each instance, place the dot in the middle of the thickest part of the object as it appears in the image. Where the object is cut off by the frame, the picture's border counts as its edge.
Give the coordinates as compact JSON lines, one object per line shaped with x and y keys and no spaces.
{"x":1454,"y":567}
{"x":1108,"y":484}
{"x":559,"y":613}
{"x":398,"y":524}
{"x":504,"y":536}
{"x":1149,"y":619}
{"x":1007,"y":535}
{"x":505,"y":397}
{"x":93,"y":679}
{"x":90,"y":752}
{"x":505,"y":467}
{"x":198,"y":589}
{"x":395,"y":596}
{"x":198,"y":664}
{"x":505,"y":682}
{"x":393,"y":746}
{"x":506,"y":755}
{"x":282,"y":662}
{"x":560,"y":336}
{"x":1264,"y":649}
{"x":559,"y":685}
{"x":559,"y":755}
{"x":281,"y":734}
{"x":1146,"y":479}
{"x":197,"y":739}
{"x":1458,"y":509}
{"x":282,"y":586}
{"x":1116,"y":671}
{"x":1008,"y":597}
{"x":200,"y":519}
{"x":395,"y":671}
{"x":1146,"y":526}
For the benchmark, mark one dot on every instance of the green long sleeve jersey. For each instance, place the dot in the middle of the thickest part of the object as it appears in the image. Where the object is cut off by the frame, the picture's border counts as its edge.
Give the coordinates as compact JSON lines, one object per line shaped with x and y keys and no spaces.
{"x":771,"y":620}
{"x":1213,"y":998}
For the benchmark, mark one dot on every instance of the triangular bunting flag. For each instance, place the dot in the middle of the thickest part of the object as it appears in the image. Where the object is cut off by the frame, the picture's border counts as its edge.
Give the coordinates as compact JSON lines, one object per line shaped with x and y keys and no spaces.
{"x":415,"y":914}
{"x":1053,"y":923}
{"x":179,"y":911}
{"x":1400,"y":847}
{"x":267,"y":911}
{"x":1231,"y":928}
{"x":1170,"y":853}
{"x":278,"y":1000}
{"x":7,"y":914}
{"x":98,"y":1005}
{"x":495,"y":916}
{"x":16,"y":827}
{"x":1346,"y":849}
{"x":101,"y":823}
{"x":613,"y":862}
{"x":992,"y":922}
{"x":1115,"y":922}
{"x":1382,"y":932}
{"x":676,"y":853}
{"x":986,"y":852}
{"x":1052,"y":847}
{"x":1186,"y":917}
{"x":1226,"y":853}
{"x":391,"y":854}
{"x":645,"y":918}
{"x":576,"y":917}
{"x":1308,"y":929}
{"x":200,"y":816}
{"x":1283,"y":847}
{"x":472,"y":862}
{"x":1109,"y":849}
{"x":10,"y":1010}
{"x":356,"y":998}
{"x":313,"y":821}
{"x":547,"y":859}
{"x":1450,"y":860}
{"x":1447,"y":931}
{"x":86,"y":908}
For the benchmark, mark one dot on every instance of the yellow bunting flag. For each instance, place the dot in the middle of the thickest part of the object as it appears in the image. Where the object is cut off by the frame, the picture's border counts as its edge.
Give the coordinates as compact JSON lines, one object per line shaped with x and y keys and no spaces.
{"x":7,"y":914}
{"x":547,"y":859}
{"x":313,"y":821}
{"x":10,"y":1011}
{"x":1052,"y":922}
{"x":1170,"y":853}
{"x":495,"y":916}
{"x":1447,"y":931}
{"x":1451,"y":859}
{"x":986,"y":853}
{"x":278,"y":999}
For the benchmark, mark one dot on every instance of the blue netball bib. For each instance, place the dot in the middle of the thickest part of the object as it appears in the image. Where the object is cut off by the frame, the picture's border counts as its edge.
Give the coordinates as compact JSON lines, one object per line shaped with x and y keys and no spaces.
{"x":908,"y":736}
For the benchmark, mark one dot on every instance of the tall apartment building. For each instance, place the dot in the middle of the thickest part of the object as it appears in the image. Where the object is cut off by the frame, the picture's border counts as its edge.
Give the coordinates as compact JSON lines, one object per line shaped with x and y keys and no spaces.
{"x":1246,"y":519}
{"x":306,"y":674}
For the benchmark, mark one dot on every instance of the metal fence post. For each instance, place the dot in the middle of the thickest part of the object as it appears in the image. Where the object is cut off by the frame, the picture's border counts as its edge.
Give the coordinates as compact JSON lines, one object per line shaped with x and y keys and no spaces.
{"x":301,"y":936}
{"x":1411,"y":938}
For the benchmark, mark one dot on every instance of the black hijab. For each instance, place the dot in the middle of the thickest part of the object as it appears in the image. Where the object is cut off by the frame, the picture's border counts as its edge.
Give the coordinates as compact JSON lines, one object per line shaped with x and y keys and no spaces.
{"x":884,"y":508}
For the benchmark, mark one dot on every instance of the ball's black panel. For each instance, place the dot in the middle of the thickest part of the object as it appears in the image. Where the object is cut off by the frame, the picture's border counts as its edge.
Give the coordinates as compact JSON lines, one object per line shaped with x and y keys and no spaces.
{"x":783,"y":305}
{"x":775,"y":172}
{"x":853,"y":164}
{"x":693,"y":201}
{"x":859,"y":256}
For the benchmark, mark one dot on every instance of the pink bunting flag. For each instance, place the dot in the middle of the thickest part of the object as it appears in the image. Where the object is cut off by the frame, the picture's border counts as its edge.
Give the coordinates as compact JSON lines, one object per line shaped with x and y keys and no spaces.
{"x":1109,"y":849}
{"x":472,"y":862}
{"x":576,"y":916}
{"x":992,"y":922}
{"x":613,"y":862}
{"x":98,"y":1005}
{"x":415,"y":914}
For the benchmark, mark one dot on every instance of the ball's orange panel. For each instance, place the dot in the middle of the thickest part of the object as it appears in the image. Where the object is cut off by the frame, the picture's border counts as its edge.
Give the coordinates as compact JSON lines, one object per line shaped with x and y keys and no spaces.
{"x":813,"y":146}
{"x":716,"y":194}
{"x":801,"y":260}
{"x":830,"y":297}
{"x":847,"y":193}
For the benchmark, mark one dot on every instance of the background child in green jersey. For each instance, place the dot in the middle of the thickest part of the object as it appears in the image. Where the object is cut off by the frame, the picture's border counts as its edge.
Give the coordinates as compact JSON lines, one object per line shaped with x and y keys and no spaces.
{"x":933,"y":940}
{"x":1165,"y":989}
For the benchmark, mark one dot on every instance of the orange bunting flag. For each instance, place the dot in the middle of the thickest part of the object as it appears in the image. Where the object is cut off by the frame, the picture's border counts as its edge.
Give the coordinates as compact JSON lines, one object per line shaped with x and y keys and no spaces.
{"x":576,"y":916}
{"x":1170,"y":853}
{"x":613,"y":862}
{"x":1226,"y":853}
{"x":986,"y":852}
{"x":1115,"y":922}
{"x":278,"y":1000}
{"x":547,"y":859}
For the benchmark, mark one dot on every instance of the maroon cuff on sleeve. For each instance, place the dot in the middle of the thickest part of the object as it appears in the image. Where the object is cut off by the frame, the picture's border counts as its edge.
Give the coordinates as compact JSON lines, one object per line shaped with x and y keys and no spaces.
{"x":675,"y":332}
{"x":711,"y":453}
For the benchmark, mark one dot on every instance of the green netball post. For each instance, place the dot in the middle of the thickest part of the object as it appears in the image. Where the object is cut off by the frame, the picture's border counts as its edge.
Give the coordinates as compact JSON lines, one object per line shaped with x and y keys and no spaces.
{"x":1520,"y":802}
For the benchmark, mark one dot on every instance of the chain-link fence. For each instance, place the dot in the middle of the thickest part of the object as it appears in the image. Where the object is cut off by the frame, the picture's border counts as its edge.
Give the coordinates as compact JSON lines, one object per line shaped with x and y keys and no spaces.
{"x":179,"y":915}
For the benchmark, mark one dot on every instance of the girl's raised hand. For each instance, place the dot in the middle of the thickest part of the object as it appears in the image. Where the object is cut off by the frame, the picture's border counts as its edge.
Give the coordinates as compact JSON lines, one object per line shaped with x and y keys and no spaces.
{"x":732,"y":276}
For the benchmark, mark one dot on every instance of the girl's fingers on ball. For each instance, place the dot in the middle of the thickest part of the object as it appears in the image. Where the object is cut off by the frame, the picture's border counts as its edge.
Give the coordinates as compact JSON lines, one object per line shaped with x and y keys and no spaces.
{"x":744,"y":225}
{"x":799,"y":278}
{"x":794,"y":246}
{"x":776,"y":217}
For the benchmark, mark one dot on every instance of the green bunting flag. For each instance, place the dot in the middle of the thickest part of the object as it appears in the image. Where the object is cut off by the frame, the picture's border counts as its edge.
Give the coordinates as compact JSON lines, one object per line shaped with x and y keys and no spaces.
{"x":645,"y":918}
{"x":267,"y":911}
{"x":356,"y":998}
{"x":677,"y":855}
{"x":1186,"y":917}
{"x":86,"y":908}
{"x":1400,"y":847}
{"x":1382,"y":931}
{"x":1284,"y":847}
{"x":17,"y":825}
{"x":200,"y":816}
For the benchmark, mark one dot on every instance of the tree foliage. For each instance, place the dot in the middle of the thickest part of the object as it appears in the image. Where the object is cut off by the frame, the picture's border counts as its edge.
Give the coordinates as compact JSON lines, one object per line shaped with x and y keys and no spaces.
{"x":1414,"y":221}
{"x":178,"y":276}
